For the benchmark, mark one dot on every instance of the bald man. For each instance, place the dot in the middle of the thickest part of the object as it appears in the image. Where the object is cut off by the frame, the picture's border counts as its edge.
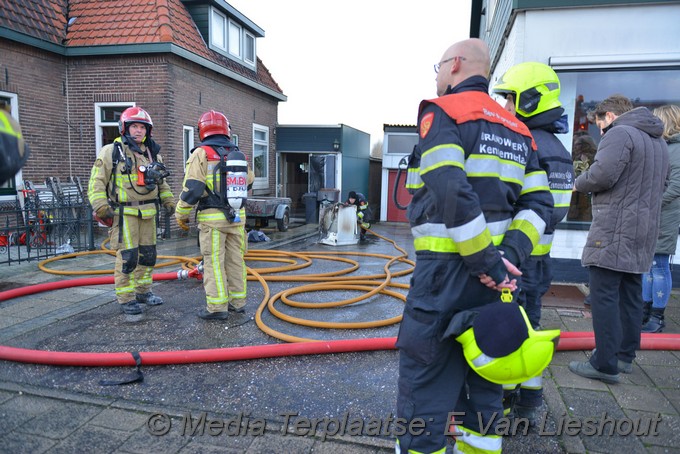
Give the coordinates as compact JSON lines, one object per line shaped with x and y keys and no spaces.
{"x":480,"y":204}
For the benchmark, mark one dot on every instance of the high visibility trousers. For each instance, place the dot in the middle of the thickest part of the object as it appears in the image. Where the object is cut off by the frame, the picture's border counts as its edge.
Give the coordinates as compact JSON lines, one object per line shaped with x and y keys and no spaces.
{"x":224,"y":270}
{"x":135,"y":255}
{"x":434,"y":378}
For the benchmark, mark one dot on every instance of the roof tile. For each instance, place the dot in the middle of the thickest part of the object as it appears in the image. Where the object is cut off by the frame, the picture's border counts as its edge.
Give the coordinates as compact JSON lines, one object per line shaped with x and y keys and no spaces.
{"x":118,"y":22}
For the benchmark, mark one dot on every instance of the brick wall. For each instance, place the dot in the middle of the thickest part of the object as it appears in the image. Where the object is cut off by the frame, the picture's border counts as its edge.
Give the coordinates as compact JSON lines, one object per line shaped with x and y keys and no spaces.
{"x":38,"y":78}
{"x":174,"y":91}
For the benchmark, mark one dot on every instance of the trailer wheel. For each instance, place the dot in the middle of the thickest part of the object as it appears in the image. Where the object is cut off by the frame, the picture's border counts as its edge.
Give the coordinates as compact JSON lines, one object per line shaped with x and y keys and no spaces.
{"x":282,"y":223}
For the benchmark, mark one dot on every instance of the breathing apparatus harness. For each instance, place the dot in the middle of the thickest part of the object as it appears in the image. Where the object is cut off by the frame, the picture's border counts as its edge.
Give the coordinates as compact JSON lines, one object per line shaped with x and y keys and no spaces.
{"x":230,"y":176}
{"x":148,"y":176}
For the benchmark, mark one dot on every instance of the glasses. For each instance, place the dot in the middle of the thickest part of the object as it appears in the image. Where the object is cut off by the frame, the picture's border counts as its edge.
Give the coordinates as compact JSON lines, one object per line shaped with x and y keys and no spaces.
{"x":438,"y":65}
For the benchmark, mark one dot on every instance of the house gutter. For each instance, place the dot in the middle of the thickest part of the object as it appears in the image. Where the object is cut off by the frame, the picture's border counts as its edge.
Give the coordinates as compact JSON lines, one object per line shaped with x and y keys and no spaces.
{"x":153,"y":48}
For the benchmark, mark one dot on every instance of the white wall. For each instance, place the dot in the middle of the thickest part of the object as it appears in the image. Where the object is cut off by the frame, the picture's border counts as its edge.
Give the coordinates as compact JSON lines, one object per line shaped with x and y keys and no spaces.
{"x":605,"y":37}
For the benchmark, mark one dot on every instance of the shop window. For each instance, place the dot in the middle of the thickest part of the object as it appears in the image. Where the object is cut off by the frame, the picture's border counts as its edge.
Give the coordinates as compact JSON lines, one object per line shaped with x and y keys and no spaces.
{"x":582,"y":90}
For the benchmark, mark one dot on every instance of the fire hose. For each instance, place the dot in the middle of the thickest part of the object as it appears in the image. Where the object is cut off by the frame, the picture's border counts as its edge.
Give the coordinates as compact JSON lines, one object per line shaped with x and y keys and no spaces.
{"x":372,"y":285}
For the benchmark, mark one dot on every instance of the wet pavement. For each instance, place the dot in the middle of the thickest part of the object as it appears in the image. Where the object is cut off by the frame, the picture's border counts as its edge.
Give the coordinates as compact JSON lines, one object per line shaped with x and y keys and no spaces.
{"x":245,"y":406}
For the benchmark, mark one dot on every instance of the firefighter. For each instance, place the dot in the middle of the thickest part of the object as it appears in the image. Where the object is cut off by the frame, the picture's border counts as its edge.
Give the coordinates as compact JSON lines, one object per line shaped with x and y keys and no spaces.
{"x":215,"y":166}
{"x":363,"y":213}
{"x":14,"y":150}
{"x":531,"y":91}
{"x":126,"y":190}
{"x":480,"y":204}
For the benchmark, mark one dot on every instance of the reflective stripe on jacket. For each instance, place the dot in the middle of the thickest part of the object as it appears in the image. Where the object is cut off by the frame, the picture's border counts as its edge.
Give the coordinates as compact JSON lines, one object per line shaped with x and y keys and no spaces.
{"x":198,"y":179}
{"x":124,"y":188}
{"x":478,"y":182}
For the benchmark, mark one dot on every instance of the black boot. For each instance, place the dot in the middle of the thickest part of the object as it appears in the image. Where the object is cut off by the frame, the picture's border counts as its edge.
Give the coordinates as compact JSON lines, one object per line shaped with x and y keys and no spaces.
{"x":655,"y":324}
{"x":646,"y":309}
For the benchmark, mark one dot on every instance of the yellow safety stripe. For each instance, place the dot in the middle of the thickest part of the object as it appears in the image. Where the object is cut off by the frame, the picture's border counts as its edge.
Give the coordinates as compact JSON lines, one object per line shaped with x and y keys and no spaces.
{"x":544,"y":245}
{"x":397,"y":450}
{"x":535,"y":181}
{"x":6,"y":126}
{"x":219,"y":216}
{"x":436,"y":238}
{"x":413,"y":180}
{"x":471,"y":442}
{"x":222,"y":295}
{"x":440,"y":156}
{"x":146,"y":277}
{"x":494,"y":167}
{"x":183,"y":210}
{"x":92,"y":194}
{"x":529,"y":223}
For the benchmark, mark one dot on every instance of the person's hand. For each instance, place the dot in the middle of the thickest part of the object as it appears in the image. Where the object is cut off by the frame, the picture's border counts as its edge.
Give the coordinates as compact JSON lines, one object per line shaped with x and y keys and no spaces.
{"x":169,"y":207}
{"x":105,"y":212}
{"x":507,"y":281}
{"x":182,"y":222}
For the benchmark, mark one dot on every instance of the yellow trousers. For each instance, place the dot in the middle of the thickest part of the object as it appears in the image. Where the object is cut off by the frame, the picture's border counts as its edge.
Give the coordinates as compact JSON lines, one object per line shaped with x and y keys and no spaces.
{"x":224,"y":270}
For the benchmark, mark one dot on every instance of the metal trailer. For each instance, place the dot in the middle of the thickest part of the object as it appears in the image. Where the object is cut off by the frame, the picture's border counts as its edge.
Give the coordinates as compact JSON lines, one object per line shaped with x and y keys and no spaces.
{"x":259,"y":210}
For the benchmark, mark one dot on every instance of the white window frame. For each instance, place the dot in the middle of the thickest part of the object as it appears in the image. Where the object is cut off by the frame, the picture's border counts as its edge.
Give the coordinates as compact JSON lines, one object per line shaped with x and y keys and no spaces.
{"x":229,"y":37}
{"x":187,"y":142}
{"x":215,"y":17}
{"x":234,"y":39}
{"x":14,"y":112}
{"x":98,"y":123}
{"x":263,"y":181}
{"x":249,"y":58}
{"x":234,"y":139}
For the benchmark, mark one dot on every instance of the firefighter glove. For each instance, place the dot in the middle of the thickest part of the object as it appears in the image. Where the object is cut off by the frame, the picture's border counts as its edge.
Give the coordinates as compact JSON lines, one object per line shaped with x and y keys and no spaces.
{"x":183,"y":223}
{"x":169,"y":207}
{"x":105,"y":212}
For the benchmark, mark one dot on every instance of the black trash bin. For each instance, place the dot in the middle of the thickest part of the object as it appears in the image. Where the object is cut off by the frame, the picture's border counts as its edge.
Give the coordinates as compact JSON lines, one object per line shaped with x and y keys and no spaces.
{"x":311,"y":214}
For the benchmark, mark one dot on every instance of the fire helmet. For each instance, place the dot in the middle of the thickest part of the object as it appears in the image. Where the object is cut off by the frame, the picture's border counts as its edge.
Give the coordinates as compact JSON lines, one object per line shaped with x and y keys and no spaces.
{"x":212,"y":123}
{"x":535,"y":87}
{"x":502,"y":347}
{"x":134,"y":115}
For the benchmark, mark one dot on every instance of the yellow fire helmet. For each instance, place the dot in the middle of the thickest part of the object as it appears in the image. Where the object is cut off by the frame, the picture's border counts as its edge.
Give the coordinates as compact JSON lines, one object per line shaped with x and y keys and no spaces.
{"x":535,"y":87}
{"x":502,"y":347}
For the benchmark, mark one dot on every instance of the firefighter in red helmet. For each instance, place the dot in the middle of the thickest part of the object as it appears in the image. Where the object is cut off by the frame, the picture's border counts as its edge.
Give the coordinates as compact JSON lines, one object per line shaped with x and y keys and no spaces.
{"x":127,"y":186}
{"x":216,"y":181}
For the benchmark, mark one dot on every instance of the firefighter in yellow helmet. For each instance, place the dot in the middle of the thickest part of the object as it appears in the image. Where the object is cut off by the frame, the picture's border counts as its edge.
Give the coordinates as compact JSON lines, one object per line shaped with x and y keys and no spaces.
{"x":480,"y":204}
{"x":531,"y":91}
{"x":126,"y":189}
{"x":216,"y":181}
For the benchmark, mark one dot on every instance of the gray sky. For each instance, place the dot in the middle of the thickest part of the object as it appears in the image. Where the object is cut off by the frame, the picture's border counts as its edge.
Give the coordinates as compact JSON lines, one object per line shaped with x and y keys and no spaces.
{"x":362,"y":63}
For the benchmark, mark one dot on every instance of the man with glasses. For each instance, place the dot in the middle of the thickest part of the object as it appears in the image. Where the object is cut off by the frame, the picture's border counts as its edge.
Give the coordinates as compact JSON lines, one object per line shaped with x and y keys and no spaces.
{"x":480,"y":204}
{"x":627,"y":182}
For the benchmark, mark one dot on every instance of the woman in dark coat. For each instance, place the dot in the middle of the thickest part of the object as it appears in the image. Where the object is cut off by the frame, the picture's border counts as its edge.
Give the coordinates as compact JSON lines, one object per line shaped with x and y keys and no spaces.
{"x":657,"y":284}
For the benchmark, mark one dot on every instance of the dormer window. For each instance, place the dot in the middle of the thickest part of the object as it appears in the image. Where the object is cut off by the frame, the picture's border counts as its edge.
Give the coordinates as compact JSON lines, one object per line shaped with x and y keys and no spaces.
{"x":231,"y":39}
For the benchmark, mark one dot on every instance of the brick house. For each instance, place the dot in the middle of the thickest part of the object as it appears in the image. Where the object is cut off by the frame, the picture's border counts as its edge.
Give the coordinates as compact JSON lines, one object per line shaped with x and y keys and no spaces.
{"x":68,"y":68}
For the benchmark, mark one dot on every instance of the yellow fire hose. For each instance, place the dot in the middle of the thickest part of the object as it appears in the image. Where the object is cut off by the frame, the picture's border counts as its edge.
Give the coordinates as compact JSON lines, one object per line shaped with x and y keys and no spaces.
{"x":339,"y":280}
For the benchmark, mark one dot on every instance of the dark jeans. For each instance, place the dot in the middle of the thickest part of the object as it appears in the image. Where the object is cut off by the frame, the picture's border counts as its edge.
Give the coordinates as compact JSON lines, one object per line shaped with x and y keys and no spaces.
{"x":616,"y":305}
{"x":533,"y":284}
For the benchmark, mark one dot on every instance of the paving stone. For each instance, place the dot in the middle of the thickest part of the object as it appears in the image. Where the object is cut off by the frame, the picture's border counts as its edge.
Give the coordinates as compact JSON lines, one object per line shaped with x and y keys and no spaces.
{"x":668,"y":429}
{"x":567,"y":379}
{"x":114,"y":418}
{"x":60,"y":421}
{"x":30,"y":403}
{"x":91,"y":439}
{"x":22,"y":443}
{"x":664,"y":377}
{"x":632,"y":397}
{"x":142,"y":441}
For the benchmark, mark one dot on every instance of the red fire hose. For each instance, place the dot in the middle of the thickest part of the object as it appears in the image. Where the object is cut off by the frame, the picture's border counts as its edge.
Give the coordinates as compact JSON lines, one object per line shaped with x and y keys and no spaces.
{"x":569,"y":341}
